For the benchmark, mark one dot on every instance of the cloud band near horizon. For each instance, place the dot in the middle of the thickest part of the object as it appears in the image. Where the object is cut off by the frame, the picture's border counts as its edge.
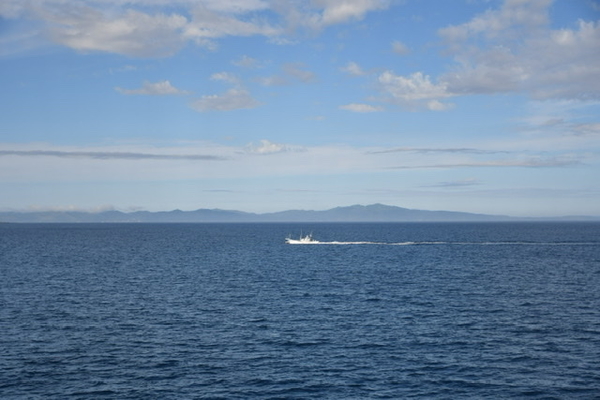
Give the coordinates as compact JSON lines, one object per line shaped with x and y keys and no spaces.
{"x":109,"y":155}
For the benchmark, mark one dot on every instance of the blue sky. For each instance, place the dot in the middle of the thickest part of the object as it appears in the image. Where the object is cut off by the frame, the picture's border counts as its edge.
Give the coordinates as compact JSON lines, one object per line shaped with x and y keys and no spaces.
{"x":267,"y":105}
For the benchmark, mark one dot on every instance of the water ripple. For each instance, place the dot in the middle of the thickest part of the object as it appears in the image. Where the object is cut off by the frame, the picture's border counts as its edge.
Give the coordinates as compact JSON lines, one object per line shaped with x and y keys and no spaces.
{"x":229,"y":311}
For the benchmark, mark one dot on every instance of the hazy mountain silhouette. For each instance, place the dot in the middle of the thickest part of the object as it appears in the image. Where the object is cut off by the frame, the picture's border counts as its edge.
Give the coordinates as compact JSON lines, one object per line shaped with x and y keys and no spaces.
{"x":355,"y":213}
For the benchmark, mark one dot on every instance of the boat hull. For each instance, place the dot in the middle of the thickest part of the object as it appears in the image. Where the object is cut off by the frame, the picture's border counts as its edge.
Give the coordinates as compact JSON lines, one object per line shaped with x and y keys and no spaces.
{"x":303,"y":240}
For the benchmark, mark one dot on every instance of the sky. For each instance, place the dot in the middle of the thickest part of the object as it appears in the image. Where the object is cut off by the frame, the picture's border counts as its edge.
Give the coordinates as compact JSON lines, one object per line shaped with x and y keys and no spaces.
{"x":481,"y":106}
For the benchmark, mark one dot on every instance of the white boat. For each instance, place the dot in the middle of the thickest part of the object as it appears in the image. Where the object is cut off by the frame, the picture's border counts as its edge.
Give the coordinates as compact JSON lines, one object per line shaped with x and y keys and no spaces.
{"x":308,"y":239}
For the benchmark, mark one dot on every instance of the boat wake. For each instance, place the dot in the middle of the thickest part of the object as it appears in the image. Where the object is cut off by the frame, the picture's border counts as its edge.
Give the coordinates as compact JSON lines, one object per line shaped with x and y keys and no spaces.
{"x":310,"y":240}
{"x":292,"y":241}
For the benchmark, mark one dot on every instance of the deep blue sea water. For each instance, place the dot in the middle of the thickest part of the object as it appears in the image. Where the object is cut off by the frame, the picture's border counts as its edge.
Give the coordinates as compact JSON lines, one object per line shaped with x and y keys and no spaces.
{"x":228,"y":311}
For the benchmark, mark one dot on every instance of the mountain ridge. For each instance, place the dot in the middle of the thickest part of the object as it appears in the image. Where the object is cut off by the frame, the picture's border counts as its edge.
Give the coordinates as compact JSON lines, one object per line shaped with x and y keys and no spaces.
{"x":354,"y":213}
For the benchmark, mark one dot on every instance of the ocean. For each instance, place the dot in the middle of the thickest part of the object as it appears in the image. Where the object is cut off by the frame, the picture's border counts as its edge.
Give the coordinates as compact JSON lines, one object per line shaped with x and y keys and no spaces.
{"x":229,"y":311}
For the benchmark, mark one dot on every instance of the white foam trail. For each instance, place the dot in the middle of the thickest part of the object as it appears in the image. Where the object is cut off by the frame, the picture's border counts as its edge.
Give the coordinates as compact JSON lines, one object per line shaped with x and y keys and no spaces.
{"x":453,"y":243}
{"x":350,"y":243}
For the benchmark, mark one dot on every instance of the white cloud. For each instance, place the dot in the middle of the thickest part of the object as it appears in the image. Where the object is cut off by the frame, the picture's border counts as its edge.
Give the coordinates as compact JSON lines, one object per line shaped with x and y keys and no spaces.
{"x":235,"y":6}
{"x":246,"y":62}
{"x":131,"y":33}
{"x":236,"y":98}
{"x":275,"y":80}
{"x":414,"y":87}
{"x":210,"y":24}
{"x":341,"y":11}
{"x":413,"y":91}
{"x":316,"y":15}
{"x":157,"y":89}
{"x":282,"y":41}
{"x":400,"y":48}
{"x":511,"y":21}
{"x":514,"y":49}
{"x":336,"y":12}
{"x":150,"y":28}
{"x":291,"y":72}
{"x":226,"y":77}
{"x":436,"y":105}
{"x":360,"y":108}
{"x":268,"y":147}
{"x":299,"y":72}
{"x":353,"y":69}
{"x":233,"y":99}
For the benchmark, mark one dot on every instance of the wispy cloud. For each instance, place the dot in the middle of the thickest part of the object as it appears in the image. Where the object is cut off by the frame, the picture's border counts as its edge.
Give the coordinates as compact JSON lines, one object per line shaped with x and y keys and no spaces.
{"x":70,"y":208}
{"x":501,"y":193}
{"x":268,"y":147}
{"x":273,"y":80}
{"x":586,"y":129}
{"x":125,"y":68}
{"x":162,"y":88}
{"x":559,"y":125}
{"x":296,"y":190}
{"x":299,"y":72}
{"x":527,"y":163}
{"x":225,"y":77}
{"x":361,"y":108}
{"x":291,"y":73}
{"x":316,"y":16}
{"x":425,"y":150}
{"x":132,"y":32}
{"x":232,"y":99}
{"x":400,"y":48}
{"x":353,"y":69}
{"x":220,"y":191}
{"x":456,"y":184}
{"x":246,"y":62}
{"x":235,"y":98}
{"x":108,"y":155}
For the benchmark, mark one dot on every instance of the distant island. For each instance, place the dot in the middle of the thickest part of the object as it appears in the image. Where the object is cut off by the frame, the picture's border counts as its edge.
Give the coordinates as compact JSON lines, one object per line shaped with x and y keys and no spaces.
{"x":355,"y":213}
